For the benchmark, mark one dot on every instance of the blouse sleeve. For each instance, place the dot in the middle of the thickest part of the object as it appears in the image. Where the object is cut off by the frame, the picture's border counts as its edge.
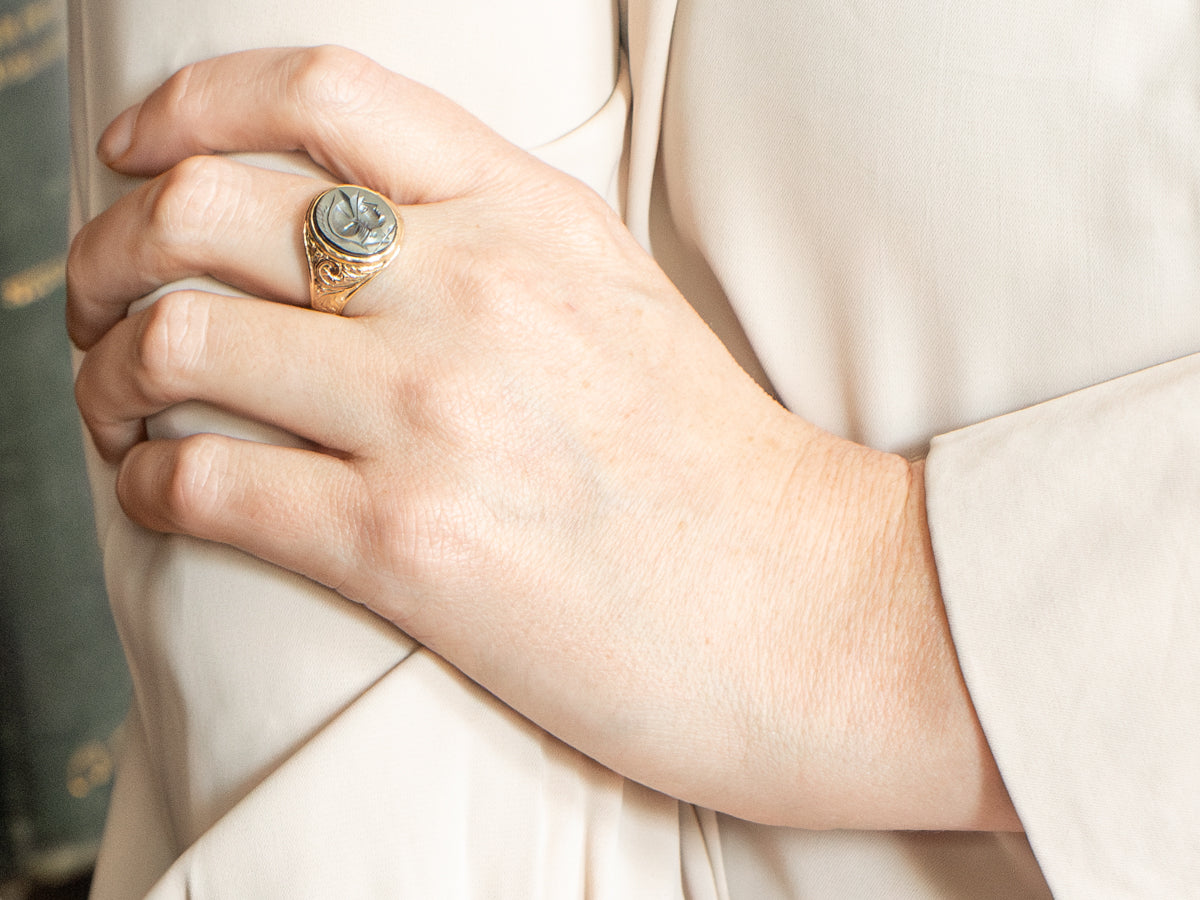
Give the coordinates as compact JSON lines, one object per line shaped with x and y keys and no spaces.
{"x":1066,"y":542}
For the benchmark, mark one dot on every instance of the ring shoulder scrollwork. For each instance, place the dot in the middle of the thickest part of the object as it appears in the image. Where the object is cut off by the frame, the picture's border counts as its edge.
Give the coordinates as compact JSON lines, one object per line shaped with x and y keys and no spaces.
{"x":350,"y":234}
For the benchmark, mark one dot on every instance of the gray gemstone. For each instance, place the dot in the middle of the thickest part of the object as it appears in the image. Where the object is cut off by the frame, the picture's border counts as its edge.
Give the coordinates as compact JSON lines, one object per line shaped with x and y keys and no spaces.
{"x":355,"y":220}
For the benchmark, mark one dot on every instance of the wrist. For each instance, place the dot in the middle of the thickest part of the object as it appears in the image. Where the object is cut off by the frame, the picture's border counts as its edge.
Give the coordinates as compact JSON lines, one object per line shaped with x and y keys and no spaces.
{"x":887,"y":737}
{"x":934,"y":731}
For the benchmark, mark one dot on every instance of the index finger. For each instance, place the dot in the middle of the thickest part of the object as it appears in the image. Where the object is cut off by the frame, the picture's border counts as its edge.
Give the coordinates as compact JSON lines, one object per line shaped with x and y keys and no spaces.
{"x":358,"y":120}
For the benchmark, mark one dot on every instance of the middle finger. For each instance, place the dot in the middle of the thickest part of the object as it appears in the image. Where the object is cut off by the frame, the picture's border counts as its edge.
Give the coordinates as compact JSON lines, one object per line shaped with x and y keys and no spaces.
{"x":209,"y":215}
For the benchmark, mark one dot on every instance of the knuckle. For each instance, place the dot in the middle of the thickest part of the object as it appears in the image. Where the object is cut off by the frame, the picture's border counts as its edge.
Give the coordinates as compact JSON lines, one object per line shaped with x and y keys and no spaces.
{"x":187,"y":197}
{"x":504,"y":270}
{"x":443,"y":404}
{"x":494,"y":279}
{"x":329,"y":78}
{"x":577,"y":218}
{"x":424,"y":541}
{"x":192,"y":487}
{"x":182,"y":94}
{"x":172,"y":340}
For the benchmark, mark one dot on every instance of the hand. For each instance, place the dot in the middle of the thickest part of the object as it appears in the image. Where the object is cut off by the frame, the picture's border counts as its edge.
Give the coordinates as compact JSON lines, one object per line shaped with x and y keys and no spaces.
{"x":526,"y":451}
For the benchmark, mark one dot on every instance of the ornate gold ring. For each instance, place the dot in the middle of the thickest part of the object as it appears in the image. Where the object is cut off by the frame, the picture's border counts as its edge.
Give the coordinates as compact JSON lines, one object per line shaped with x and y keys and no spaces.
{"x":350,"y":234}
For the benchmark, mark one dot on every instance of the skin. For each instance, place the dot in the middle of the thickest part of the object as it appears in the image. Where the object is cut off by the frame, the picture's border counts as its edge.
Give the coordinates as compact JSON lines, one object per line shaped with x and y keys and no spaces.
{"x":526,"y":450}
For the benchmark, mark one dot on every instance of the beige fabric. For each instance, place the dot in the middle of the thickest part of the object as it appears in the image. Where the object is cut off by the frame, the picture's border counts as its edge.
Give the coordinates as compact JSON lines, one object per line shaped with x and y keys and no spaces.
{"x":961,"y":210}
{"x":1088,"y":558}
{"x":283,"y":742}
{"x":917,"y":217}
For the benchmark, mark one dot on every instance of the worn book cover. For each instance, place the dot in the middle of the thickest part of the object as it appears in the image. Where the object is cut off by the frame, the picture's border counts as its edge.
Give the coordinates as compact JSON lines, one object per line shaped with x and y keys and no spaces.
{"x":63,"y":686}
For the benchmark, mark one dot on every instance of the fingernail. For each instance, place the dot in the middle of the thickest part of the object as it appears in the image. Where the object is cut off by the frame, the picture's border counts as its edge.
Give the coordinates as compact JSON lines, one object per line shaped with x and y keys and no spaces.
{"x":117,"y":137}
{"x":140,"y":480}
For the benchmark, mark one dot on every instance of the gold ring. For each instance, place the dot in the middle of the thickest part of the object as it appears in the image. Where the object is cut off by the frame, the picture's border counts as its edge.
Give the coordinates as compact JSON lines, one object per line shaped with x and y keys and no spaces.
{"x":350,"y":234}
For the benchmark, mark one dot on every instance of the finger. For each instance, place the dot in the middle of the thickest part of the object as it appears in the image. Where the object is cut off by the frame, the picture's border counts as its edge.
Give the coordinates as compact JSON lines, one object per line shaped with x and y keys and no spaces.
{"x":356,"y":119}
{"x":295,"y":508}
{"x":206,"y":216}
{"x":280,"y":365}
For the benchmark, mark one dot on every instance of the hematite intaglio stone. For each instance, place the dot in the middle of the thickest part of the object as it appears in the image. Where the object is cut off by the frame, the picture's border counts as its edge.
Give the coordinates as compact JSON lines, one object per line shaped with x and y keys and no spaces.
{"x":355,"y":220}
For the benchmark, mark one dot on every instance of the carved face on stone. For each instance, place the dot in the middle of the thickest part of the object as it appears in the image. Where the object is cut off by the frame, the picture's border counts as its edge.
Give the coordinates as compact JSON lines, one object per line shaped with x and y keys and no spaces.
{"x":355,"y":220}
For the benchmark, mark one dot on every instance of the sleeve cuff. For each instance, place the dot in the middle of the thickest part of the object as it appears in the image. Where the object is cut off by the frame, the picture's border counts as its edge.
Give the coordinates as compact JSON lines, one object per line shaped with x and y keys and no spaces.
{"x":1067,"y":538}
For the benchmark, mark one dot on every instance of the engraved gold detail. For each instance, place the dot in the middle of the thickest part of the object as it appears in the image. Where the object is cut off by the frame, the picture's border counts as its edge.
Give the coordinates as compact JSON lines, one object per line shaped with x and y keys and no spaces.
{"x":335,"y":273}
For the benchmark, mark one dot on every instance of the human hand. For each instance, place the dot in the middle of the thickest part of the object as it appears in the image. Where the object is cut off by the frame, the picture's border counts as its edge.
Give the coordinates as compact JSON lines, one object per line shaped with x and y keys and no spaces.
{"x":526,"y":450}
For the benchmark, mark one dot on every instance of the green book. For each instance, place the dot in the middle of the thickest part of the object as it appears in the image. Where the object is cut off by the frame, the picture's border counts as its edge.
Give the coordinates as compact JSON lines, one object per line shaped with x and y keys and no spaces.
{"x":63,"y":684}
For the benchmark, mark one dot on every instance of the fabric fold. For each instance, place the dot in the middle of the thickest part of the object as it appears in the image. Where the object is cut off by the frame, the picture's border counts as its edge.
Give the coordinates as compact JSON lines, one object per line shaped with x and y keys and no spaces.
{"x":426,"y":786}
{"x":1068,"y":527}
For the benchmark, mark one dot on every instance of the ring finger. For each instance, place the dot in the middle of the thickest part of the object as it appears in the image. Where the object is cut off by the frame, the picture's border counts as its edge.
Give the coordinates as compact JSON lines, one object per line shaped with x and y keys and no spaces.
{"x":275,"y":364}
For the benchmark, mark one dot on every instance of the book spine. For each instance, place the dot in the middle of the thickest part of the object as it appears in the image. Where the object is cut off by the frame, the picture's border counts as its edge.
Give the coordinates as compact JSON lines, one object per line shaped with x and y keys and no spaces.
{"x":63,"y":684}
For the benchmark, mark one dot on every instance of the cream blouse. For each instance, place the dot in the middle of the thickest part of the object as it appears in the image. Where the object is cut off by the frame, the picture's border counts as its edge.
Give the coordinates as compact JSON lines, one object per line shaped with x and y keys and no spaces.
{"x":907,"y":219}
{"x":928,"y":216}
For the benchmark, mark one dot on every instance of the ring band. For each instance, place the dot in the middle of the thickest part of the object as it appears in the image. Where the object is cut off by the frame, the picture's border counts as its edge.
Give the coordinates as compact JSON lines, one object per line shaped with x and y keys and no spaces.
{"x":350,"y":234}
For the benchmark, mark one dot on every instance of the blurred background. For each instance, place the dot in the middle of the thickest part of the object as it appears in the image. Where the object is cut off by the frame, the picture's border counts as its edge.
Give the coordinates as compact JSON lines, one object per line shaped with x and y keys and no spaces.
{"x":63,"y":685}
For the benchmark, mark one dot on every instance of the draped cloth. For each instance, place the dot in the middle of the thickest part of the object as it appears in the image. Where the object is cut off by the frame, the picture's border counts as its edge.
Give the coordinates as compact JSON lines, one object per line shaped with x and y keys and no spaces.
{"x":974,"y":222}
